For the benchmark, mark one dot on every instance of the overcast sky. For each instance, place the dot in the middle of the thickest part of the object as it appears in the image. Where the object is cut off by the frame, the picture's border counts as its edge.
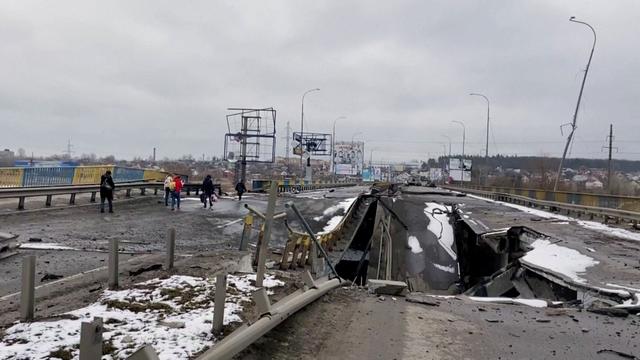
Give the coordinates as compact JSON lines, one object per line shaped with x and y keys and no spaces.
{"x":124,"y":76}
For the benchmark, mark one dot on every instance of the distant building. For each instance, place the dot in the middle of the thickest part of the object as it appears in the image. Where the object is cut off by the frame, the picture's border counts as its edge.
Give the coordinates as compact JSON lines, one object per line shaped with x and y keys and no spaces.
{"x":593,"y":184}
{"x":7,"y":157}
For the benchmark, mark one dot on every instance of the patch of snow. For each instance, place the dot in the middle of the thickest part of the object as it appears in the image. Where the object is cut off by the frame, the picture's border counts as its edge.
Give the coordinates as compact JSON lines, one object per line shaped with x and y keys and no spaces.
{"x":622,"y":293}
{"x":559,"y":259}
{"x":331,"y":224}
{"x":591,"y":249}
{"x":606,"y":229}
{"x":439,"y":225}
{"x":44,"y":246}
{"x":624,"y":287}
{"x":448,"y":269}
{"x":414,"y":244}
{"x":504,"y":300}
{"x":343,"y":205}
{"x":127,"y":330}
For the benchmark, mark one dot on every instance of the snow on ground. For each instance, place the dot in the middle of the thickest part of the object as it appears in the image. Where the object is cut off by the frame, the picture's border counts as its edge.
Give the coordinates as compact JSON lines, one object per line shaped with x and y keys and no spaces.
{"x":173,"y":315}
{"x":504,"y":300}
{"x":592,"y":225}
{"x":439,"y":225}
{"x":315,"y":195}
{"x":414,"y":244}
{"x":449,"y":269}
{"x":44,"y":246}
{"x":497,"y":300}
{"x":559,"y":259}
{"x":334,"y":221}
{"x":634,"y":301}
{"x":343,"y":205}
{"x":331,"y":224}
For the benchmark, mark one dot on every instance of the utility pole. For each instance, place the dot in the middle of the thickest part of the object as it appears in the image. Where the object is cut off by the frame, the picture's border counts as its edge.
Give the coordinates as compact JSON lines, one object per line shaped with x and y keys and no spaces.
{"x":154,"y":155}
{"x":575,"y":114}
{"x":610,"y":147}
{"x":302,"y":169}
{"x":287,"y":149}
{"x":69,"y":149}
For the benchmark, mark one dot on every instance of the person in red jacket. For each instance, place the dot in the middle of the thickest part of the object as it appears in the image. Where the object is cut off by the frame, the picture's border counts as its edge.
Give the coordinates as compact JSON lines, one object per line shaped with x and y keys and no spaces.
{"x":175,"y":196}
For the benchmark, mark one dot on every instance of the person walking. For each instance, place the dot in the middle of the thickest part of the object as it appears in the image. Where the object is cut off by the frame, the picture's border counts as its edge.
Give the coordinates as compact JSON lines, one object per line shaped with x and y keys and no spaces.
{"x":167,"y":190}
{"x":106,"y":190}
{"x":177,"y":187}
{"x":241,"y":189}
{"x":207,"y":189}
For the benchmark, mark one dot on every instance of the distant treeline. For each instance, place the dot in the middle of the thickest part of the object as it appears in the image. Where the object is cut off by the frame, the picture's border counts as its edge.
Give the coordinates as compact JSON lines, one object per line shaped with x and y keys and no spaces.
{"x":537,"y":163}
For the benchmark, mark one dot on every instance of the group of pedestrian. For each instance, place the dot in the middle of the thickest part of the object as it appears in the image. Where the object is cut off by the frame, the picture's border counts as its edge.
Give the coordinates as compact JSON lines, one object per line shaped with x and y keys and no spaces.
{"x":172,"y":188}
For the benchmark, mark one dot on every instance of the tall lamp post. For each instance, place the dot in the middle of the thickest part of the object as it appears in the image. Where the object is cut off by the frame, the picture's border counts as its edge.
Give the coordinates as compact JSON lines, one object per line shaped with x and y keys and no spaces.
{"x":333,"y":148}
{"x":446,"y":164}
{"x":575,"y":114}
{"x":302,"y":131}
{"x":464,"y":136}
{"x":448,"y":138}
{"x":486,"y":149}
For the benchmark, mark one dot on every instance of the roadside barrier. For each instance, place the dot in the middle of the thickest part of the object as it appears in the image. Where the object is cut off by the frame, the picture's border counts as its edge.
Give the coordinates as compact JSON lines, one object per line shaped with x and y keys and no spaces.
{"x":16,"y":177}
{"x":630,"y":203}
{"x":607,"y":214}
{"x":72,"y":190}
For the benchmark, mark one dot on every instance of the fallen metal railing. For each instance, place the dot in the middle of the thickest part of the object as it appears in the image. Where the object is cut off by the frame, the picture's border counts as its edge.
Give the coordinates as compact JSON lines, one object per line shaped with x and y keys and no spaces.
{"x":49,"y":191}
{"x":591,"y":211}
{"x":270,"y":317}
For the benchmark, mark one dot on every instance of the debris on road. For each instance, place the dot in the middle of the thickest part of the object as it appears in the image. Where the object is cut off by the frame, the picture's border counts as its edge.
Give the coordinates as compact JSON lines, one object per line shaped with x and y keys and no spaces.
{"x":48,"y":277}
{"x":386,"y":287}
{"x":422,"y":299}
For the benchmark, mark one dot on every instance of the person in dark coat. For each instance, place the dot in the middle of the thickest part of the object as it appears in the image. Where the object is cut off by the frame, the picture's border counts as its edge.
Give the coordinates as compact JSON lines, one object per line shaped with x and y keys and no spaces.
{"x":207,"y":189}
{"x":240,"y":189}
{"x":106,"y":190}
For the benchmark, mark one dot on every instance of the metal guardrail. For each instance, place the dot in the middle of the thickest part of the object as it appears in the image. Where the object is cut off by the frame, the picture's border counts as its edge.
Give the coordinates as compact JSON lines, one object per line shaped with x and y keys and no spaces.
{"x":309,"y":187}
{"x":270,"y":317}
{"x":49,"y":191}
{"x":592,"y":212}
{"x":621,"y":202}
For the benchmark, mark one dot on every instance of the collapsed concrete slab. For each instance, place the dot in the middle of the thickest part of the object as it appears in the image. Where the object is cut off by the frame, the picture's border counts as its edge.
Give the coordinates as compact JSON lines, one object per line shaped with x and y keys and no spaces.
{"x":386,"y":287}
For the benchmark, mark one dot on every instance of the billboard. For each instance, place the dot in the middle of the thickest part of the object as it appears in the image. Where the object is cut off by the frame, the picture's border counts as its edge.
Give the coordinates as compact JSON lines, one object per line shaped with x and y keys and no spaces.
{"x":460,"y":170}
{"x":348,"y":158}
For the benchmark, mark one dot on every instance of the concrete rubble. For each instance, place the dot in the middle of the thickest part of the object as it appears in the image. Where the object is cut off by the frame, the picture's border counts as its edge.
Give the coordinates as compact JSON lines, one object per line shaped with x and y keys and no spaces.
{"x":386,"y":287}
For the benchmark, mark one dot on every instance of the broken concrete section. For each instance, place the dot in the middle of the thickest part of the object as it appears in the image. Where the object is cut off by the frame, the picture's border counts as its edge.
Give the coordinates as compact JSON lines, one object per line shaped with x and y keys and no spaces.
{"x":387,"y":287}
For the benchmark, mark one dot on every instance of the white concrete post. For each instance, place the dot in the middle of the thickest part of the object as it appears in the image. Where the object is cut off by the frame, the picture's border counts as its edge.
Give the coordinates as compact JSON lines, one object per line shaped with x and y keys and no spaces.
{"x":171,"y":248}
{"x":113,"y":264}
{"x":27,"y":294}
{"x":219,"y":300}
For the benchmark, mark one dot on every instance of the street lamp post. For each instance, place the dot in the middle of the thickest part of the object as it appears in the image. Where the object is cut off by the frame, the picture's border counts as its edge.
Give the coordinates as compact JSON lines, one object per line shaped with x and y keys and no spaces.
{"x":333,"y":148}
{"x":448,"y":138}
{"x":302,"y":131}
{"x":486,"y":149}
{"x":575,"y":114}
{"x":464,"y":136}
{"x":354,"y":135}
